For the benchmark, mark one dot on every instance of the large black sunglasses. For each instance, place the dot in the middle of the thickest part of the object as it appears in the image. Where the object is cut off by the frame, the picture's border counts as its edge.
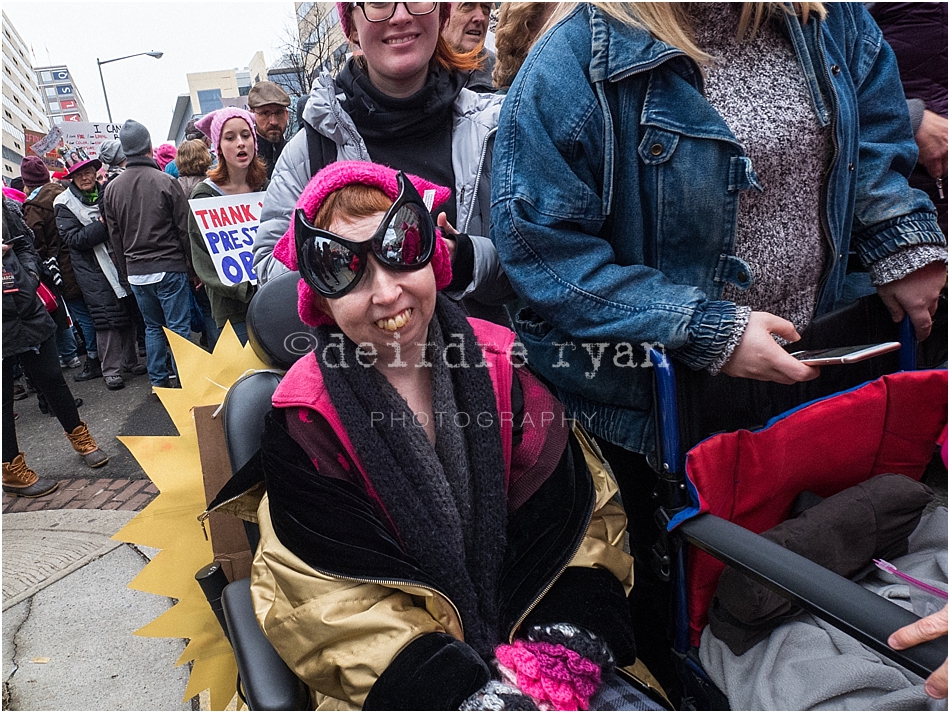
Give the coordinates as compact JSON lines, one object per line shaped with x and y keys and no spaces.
{"x":404,"y":241}
{"x":382,"y":11}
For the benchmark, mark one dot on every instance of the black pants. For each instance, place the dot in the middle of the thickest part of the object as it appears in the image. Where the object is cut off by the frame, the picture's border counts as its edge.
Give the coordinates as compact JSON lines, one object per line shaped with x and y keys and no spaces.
{"x":650,"y":598}
{"x":44,"y":371}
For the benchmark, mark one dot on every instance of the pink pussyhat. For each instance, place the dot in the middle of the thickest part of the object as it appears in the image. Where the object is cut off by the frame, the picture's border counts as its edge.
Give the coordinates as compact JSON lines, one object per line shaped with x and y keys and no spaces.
{"x":212,"y":124}
{"x":333,"y":178}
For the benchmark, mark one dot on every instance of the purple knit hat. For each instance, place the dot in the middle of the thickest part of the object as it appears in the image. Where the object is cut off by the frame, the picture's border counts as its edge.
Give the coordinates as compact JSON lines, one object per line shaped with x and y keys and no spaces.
{"x":211,"y":124}
{"x":34,"y":171}
{"x":332,"y":178}
{"x":445,"y":9}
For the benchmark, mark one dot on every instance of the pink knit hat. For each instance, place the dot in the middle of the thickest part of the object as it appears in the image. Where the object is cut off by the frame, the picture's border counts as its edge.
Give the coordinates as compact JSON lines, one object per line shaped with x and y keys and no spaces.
{"x":211,"y":124}
{"x":332,"y":178}
{"x":164,"y":155}
{"x":445,"y":9}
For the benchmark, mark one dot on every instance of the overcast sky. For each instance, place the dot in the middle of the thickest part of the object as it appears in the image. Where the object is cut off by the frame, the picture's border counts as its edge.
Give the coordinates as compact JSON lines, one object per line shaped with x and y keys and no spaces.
{"x":194,"y":36}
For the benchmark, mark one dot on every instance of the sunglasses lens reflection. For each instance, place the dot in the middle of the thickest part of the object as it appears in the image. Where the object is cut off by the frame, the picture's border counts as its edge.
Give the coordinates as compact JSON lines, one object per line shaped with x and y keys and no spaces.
{"x":332,"y":265}
{"x":404,"y":243}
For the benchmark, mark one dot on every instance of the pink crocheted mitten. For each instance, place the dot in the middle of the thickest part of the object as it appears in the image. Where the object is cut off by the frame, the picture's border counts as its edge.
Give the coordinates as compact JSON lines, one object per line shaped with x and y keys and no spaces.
{"x":556,"y":677}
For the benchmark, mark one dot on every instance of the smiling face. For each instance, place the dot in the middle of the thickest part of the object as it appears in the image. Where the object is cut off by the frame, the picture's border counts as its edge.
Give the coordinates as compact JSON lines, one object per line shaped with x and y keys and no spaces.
{"x":384,"y":302}
{"x":398,"y":50}
{"x":467,"y":25}
{"x":237,"y":143}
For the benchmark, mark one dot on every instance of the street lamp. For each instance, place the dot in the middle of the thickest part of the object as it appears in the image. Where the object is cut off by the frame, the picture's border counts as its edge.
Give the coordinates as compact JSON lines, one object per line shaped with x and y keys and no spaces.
{"x":156,"y":55}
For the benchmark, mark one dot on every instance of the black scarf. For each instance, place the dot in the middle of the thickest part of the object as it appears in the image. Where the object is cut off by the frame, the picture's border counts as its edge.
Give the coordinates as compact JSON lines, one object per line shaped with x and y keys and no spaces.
{"x":448,"y":504}
{"x":380,"y":116}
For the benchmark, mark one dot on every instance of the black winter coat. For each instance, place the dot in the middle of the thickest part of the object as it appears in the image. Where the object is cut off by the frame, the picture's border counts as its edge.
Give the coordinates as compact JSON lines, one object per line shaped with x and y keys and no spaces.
{"x":917,"y":32}
{"x":107,"y":310}
{"x":26,"y":323}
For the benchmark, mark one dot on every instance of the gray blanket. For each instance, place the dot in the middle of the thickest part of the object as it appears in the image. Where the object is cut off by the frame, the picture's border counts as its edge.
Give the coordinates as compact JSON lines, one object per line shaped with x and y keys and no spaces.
{"x":807,"y":664}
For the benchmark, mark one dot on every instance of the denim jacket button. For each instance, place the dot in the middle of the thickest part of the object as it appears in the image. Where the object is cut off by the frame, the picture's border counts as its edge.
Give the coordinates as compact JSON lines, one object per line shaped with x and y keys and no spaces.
{"x":656,"y":149}
{"x":742,"y":275}
{"x":835,"y":69}
{"x":850,"y":166}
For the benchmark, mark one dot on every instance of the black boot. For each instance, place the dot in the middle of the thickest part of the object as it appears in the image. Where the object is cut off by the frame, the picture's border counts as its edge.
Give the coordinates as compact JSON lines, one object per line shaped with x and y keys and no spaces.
{"x":92,"y":369}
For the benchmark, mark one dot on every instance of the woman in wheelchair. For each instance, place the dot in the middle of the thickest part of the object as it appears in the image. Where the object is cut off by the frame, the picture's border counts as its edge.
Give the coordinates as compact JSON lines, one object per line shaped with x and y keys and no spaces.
{"x":434,"y":534}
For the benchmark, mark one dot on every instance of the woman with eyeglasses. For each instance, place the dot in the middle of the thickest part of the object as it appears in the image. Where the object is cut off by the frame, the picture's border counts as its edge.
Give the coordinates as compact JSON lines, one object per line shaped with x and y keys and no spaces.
{"x":402,"y":103}
{"x":239,"y":170}
{"x":434,"y":535}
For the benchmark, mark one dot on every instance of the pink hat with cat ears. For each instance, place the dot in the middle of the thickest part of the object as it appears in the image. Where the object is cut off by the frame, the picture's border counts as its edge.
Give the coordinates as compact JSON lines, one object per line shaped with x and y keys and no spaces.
{"x":212,"y":124}
{"x":333,"y":178}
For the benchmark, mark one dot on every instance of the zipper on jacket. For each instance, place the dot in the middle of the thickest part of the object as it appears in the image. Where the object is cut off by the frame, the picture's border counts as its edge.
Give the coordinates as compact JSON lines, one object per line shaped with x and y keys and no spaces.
{"x":382,"y":582}
{"x":478,"y":178}
{"x":557,"y":576}
{"x":397,"y":583}
{"x":940,"y":187}
{"x":825,"y":227}
{"x":345,"y":125}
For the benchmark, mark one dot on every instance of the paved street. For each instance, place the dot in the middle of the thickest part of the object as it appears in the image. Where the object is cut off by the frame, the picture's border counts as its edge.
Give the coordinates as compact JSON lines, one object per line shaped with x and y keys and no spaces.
{"x":119,"y":485}
{"x":68,"y":615}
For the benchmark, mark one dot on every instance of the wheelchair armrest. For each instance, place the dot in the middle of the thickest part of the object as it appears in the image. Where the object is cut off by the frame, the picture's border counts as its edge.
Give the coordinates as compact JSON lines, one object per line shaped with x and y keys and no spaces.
{"x":848,"y":606}
{"x":268,"y":683}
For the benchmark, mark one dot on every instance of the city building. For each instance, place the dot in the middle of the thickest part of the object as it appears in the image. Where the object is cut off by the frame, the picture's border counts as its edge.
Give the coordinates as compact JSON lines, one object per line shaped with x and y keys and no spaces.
{"x":62,"y":97}
{"x":208,"y":91}
{"x":323,"y":47}
{"x":23,"y":106}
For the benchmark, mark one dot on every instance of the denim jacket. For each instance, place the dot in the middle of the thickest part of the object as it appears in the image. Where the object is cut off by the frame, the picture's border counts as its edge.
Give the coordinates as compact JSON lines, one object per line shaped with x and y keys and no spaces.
{"x":616,"y":186}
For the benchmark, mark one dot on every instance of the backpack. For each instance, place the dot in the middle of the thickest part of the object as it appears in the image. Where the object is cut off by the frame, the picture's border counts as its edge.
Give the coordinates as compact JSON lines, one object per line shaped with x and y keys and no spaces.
{"x":320,"y":149}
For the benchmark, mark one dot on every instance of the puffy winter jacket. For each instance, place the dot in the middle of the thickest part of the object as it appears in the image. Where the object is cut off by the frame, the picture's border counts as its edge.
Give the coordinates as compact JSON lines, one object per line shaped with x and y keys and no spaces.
{"x":353,"y":619}
{"x":88,"y":240}
{"x":26,"y":323}
{"x":40,"y":217}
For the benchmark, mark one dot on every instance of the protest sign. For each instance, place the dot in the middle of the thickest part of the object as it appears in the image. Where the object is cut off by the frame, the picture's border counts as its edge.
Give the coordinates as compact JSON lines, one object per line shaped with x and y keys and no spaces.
{"x":87,"y":136}
{"x":44,"y":146}
{"x":228,"y":225}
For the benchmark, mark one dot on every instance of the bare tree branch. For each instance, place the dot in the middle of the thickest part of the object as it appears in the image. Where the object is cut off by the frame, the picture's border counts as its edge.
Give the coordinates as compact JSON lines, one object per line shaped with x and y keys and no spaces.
{"x":310,"y":43}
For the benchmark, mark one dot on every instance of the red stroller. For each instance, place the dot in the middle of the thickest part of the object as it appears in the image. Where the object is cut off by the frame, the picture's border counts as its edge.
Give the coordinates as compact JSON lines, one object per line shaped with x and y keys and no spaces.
{"x":734,"y":484}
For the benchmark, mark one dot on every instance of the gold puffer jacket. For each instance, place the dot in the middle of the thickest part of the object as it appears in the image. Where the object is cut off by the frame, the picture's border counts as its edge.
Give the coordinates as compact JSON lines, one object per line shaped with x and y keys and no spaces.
{"x":339,"y":635}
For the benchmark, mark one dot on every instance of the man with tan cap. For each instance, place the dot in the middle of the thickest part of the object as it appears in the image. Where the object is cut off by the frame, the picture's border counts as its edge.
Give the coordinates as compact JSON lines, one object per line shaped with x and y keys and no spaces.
{"x":269,"y":104}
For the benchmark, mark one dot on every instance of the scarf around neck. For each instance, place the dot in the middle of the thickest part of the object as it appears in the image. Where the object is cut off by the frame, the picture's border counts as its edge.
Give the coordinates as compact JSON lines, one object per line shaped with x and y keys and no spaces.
{"x":447,"y":503}
{"x":381,"y":116}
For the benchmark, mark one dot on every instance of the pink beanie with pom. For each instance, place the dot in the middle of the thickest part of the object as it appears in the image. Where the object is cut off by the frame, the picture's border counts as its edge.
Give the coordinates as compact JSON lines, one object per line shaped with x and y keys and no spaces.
{"x":333,"y":178}
{"x":212,"y":124}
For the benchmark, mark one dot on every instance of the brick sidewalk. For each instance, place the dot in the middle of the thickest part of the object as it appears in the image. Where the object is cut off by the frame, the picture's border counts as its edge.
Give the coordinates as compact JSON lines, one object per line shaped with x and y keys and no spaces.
{"x":88,"y":493}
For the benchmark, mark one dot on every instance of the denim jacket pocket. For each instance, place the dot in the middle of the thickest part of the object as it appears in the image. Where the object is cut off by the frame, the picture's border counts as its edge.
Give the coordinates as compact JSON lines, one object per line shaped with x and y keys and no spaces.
{"x":657,"y":145}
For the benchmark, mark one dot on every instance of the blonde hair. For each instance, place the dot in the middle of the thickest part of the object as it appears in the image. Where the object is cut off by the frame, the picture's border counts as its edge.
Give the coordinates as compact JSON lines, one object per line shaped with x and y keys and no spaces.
{"x":669,"y":21}
{"x":520,"y":26}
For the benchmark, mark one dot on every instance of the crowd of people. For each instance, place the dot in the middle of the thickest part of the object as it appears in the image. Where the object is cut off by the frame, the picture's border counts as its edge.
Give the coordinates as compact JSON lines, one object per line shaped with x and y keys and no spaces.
{"x":708,"y":177}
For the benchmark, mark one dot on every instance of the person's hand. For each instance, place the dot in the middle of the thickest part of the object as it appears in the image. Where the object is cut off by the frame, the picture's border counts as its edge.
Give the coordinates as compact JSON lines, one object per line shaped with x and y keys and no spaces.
{"x":916,"y":294}
{"x":760,"y":357}
{"x":932,"y":144}
{"x":926,"y":629}
{"x":446,"y":227}
{"x":6,"y":248}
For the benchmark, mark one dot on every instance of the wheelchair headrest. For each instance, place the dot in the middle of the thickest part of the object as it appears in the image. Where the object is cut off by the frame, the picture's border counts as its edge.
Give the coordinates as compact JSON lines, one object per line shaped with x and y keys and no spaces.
{"x":274,"y":328}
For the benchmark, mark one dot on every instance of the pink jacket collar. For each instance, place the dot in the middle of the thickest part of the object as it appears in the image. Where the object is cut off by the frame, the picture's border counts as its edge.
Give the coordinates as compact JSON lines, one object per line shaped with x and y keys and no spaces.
{"x":303,"y":387}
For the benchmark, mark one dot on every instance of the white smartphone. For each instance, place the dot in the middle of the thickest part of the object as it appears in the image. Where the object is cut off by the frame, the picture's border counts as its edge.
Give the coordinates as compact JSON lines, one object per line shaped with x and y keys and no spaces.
{"x":844,"y":355}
